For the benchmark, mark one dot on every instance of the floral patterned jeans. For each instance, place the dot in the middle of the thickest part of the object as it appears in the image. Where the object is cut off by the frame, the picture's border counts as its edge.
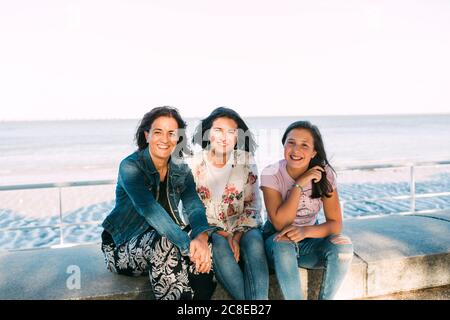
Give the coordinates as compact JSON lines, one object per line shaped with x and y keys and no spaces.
{"x":172,"y":275}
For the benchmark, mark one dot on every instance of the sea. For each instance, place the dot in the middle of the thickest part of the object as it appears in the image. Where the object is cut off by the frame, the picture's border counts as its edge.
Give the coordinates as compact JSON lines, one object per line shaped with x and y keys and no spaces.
{"x":41,"y":152}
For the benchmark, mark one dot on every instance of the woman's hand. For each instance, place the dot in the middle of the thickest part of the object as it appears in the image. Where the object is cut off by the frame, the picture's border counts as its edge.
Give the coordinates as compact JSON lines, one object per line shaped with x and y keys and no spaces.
{"x":200,"y":254}
{"x":291,"y":233}
{"x":314,"y":174}
{"x":234,"y":240}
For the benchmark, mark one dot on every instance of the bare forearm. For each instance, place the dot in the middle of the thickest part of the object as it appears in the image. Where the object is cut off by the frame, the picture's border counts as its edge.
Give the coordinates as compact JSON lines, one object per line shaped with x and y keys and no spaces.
{"x":322,"y":230}
{"x":285,"y":215}
{"x":203,"y":236}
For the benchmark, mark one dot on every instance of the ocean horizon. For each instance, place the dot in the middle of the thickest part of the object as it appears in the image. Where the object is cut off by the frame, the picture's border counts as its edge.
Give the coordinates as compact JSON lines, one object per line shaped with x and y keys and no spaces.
{"x":73,"y":150}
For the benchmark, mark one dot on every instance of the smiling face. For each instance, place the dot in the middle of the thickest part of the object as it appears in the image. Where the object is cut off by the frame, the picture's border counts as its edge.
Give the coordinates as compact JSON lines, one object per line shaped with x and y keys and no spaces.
{"x":162,"y":137}
{"x":299,"y":148}
{"x":223,"y":135}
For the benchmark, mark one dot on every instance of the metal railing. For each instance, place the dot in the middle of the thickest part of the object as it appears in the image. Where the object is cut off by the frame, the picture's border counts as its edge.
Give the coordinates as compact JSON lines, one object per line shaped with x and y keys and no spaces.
{"x":61,"y":225}
{"x":413,"y":196}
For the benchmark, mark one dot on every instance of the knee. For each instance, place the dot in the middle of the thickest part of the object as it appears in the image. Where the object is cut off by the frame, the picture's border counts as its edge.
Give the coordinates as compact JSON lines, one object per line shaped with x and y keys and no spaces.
{"x":217,"y":239}
{"x":253,"y":233}
{"x":279,"y":249}
{"x":341,"y":247}
{"x":219,"y":243}
{"x":252,"y":241}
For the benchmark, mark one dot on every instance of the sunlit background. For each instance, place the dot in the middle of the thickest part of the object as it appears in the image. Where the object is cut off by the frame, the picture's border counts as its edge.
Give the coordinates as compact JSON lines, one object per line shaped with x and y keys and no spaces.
{"x":373,"y":75}
{"x":108,"y":59}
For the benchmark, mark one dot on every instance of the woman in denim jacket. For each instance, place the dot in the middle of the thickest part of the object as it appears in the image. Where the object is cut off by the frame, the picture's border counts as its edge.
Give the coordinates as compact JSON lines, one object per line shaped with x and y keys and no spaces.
{"x":145,"y":233}
{"x":226,"y":179}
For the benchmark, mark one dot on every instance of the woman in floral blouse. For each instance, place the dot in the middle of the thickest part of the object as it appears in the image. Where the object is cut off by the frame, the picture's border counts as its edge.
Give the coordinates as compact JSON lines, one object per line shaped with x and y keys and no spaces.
{"x":227,"y":182}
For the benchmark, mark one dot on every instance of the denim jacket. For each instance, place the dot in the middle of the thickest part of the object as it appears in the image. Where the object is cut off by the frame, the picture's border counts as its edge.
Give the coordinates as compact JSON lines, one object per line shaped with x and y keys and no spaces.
{"x":137,"y":207}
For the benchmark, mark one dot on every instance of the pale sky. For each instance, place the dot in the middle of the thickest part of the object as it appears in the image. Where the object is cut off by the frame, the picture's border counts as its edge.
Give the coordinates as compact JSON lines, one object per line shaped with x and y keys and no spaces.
{"x":118,"y":59}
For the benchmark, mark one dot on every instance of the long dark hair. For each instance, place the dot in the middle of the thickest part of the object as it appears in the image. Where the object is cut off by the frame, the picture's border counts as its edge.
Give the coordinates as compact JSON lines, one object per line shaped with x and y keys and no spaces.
{"x":147,"y":121}
{"x":323,"y":187}
{"x":246,"y":141}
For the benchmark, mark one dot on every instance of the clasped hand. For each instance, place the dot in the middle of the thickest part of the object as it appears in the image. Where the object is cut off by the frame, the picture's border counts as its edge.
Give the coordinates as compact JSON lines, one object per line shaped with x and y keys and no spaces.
{"x":200,"y":254}
{"x":291,"y":234}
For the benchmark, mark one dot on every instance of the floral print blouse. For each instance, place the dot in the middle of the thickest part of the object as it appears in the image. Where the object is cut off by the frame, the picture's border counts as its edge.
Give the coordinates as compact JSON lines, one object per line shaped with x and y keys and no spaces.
{"x":240,"y":205}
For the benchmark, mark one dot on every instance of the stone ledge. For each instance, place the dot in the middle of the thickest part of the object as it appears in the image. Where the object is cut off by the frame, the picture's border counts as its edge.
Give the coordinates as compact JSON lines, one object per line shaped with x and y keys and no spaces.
{"x":402,"y":253}
{"x":392,"y":254}
{"x":44,"y":274}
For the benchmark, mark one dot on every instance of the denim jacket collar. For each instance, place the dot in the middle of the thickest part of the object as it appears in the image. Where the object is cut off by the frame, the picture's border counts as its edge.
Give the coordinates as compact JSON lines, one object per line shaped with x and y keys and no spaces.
{"x":148,"y":162}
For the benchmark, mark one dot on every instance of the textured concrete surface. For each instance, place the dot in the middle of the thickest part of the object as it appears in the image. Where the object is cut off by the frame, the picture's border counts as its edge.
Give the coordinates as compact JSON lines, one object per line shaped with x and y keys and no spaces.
{"x":52,"y":274}
{"x":402,"y":252}
{"x":438,"y":293}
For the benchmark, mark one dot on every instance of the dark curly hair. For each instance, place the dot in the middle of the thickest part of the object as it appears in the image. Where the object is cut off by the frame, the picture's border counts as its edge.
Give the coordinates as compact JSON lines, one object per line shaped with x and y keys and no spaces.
{"x":147,"y":121}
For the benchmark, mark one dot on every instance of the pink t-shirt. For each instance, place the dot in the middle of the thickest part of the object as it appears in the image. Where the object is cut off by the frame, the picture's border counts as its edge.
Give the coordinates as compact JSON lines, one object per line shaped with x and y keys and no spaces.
{"x":275,"y":176}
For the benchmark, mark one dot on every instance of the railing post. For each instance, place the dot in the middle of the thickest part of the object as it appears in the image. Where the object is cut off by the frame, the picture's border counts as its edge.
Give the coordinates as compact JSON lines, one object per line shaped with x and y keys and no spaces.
{"x":61,"y":234}
{"x":412,"y":188}
{"x":342,"y":208}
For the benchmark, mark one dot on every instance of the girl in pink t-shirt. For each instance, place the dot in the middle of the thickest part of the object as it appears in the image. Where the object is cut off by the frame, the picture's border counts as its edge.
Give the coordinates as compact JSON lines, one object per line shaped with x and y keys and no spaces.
{"x":295,"y":189}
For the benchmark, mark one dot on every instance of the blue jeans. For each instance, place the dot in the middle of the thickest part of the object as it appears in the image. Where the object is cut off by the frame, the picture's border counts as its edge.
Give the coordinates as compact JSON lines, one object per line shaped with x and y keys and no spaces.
{"x":333,"y":253}
{"x":252,"y":281}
